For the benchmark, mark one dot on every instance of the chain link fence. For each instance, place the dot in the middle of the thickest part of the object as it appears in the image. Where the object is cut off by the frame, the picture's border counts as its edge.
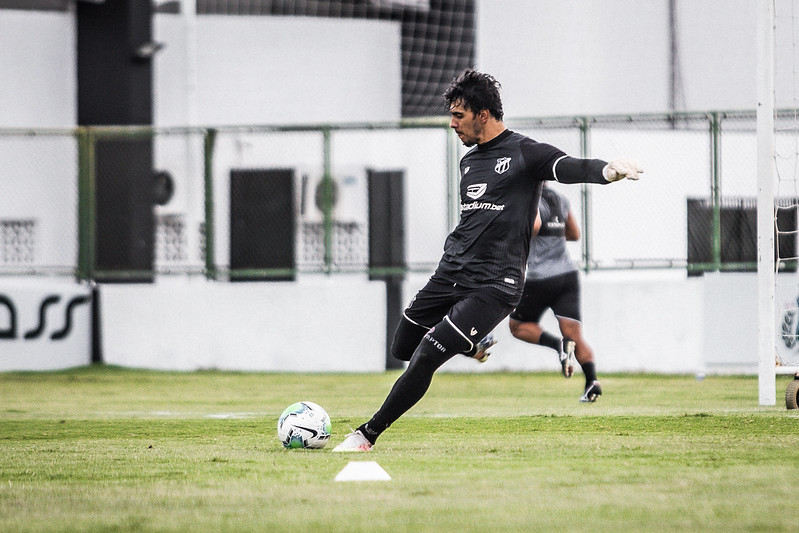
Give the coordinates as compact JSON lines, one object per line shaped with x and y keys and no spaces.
{"x":130,"y":203}
{"x":38,"y":202}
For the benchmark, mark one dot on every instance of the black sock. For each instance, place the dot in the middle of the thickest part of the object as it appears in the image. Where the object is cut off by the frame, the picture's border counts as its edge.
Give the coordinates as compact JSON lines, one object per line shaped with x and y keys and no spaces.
{"x":548,"y":339}
{"x":371,"y":430}
{"x":407,"y":390}
{"x":590,"y":373}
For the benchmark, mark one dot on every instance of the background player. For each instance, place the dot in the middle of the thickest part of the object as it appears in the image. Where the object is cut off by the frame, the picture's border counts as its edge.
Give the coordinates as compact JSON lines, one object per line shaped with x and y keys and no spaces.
{"x":553,"y":282}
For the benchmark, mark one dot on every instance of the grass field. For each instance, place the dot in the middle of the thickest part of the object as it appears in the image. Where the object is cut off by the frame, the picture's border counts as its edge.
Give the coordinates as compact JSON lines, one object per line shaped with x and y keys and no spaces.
{"x":108,"y":449}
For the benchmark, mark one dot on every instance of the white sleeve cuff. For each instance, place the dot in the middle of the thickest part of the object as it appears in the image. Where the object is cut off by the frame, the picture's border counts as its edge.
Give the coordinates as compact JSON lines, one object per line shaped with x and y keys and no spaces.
{"x":555,"y":166}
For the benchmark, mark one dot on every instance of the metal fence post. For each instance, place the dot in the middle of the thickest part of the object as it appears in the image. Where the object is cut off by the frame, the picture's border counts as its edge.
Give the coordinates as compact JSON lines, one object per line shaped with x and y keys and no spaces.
{"x":86,"y":203}
{"x":715,"y":187}
{"x":585,"y":151}
{"x":453,"y":178}
{"x":210,"y":236}
{"x":328,"y":192}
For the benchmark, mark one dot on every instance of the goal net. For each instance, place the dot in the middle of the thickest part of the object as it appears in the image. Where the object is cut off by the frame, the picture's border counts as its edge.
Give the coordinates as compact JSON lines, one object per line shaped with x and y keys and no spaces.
{"x":778,"y":192}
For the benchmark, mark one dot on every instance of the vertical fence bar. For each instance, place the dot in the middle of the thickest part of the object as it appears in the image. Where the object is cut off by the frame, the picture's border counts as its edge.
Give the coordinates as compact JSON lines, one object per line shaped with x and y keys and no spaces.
{"x":585,"y":151}
{"x":453,"y":177}
{"x":86,"y":203}
{"x":715,"y":186}
{"x":210,"y":235}
{"x":328,"y":192}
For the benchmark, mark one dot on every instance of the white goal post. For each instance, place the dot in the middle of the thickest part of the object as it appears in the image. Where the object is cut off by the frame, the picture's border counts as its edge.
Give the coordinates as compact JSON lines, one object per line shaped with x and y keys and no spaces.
{"x":766,"y":175}
{"x":768,"y":193}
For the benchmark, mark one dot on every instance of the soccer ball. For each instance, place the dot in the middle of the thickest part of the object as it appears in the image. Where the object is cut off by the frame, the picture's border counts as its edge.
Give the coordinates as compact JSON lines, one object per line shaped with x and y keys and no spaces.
{"x":304,"y":425}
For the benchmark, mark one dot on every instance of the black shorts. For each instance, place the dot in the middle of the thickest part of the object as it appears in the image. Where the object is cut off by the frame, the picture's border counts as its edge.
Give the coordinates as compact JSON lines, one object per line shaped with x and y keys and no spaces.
{"x":475,"y":312}
{"x":559,"y":293}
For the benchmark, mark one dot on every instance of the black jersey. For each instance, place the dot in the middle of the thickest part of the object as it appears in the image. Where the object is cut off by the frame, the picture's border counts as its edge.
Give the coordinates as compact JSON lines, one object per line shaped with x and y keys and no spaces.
{"x":500,"y":186}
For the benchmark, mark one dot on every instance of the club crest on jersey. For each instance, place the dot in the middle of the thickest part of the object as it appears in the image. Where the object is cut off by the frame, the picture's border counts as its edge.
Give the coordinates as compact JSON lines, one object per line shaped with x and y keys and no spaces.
{"x":476,"y":190}
{"x":503,"y":164}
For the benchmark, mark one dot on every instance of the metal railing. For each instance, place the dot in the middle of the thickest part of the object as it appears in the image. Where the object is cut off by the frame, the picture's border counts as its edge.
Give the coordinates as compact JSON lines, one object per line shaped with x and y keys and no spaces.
{"x":71,"y":195}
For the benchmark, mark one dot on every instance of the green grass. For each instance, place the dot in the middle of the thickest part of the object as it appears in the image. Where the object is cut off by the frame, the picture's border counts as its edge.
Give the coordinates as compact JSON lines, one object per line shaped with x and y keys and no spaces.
{"x":108,"y":449}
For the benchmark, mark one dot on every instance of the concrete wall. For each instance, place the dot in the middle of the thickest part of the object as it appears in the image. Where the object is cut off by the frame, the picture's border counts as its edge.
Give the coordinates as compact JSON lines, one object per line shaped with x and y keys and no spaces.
{"x":38,"y":51}
{"x":214,"y":70}
{"x":45,"y":324}
{"x":635,"y":322}
{"x":553,"y":57}
{"x":225,"y":70}
{"x":563,"y":57}
{"x":317,"y":324}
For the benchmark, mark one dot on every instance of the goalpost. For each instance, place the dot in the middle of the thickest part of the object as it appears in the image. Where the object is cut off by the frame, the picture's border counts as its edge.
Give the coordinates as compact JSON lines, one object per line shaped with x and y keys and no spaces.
{"x":777,"y":198}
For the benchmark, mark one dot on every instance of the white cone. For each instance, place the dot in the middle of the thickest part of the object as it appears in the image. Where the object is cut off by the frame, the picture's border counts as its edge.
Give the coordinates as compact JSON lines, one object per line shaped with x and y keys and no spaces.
{"x":363,"y":471}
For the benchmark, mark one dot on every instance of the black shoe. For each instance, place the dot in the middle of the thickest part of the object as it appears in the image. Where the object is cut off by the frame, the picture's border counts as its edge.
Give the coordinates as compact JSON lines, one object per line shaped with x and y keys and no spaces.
{"x":592,"y":392}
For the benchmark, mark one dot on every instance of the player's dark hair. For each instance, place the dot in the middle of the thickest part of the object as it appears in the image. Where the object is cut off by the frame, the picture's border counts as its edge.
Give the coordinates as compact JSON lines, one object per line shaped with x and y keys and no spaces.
{"x":475,"y":91}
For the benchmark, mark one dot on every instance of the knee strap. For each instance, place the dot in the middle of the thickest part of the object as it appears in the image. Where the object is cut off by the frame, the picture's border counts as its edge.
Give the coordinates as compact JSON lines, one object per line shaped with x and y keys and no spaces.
{"x":445,"y":339}
{"x":406,"y":338}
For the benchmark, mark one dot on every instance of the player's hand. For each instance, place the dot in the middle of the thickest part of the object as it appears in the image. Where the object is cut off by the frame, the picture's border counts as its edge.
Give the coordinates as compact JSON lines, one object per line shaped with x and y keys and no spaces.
{"x":618,"y":169}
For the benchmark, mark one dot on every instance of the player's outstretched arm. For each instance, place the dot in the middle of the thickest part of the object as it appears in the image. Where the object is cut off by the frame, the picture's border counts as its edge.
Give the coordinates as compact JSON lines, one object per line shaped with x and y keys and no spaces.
{"x":574,"y":170}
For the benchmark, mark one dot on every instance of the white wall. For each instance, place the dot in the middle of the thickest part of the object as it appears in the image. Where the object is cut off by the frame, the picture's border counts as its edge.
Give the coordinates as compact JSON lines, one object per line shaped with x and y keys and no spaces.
{"x":635,"y":322}
{"x":560,"y":57}
{"x":563,"y":57}
{"x":45,"y":324}
{"x":649,"y":321}
{"x":553,"y":57}
{"x":718,"y":53}
{"x":317,"y":324}
{"x":215,"y":70}
{"x":226,"y":70}
{"x":37,"y":68}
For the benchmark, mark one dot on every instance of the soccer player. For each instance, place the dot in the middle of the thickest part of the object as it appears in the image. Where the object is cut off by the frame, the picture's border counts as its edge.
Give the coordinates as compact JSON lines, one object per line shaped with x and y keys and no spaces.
{"x":553,"y":282}
{"x":480,"y":276}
